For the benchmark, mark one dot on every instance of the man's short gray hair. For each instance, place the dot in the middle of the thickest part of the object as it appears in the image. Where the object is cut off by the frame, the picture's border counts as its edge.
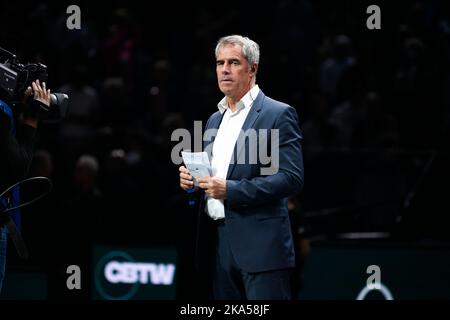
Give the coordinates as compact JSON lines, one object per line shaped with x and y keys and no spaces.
{"x":250,"y":48}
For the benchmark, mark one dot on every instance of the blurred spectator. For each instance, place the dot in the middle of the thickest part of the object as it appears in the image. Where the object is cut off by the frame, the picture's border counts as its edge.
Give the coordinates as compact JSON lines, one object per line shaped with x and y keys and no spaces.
{"x":333,"y":68}
{"x":83,"y":205}
{"x":115,"y":112}
{"x":122,"y":209}
{"x":318,"y":131}
{"x":375,"y":128}
{"x":42,"y":164}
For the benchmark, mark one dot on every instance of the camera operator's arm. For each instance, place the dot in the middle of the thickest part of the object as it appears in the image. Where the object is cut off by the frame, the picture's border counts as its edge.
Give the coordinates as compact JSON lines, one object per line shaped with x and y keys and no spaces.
{"x":17,"y":152}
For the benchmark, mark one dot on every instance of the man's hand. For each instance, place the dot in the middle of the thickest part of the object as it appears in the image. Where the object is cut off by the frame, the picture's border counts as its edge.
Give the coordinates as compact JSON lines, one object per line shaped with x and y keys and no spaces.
{"x":186,"y":180}
{"x":215,"y":187}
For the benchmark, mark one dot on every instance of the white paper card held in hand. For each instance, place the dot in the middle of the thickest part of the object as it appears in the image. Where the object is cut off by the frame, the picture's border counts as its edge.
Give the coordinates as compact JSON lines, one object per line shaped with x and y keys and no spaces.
{"x":198,"y":164}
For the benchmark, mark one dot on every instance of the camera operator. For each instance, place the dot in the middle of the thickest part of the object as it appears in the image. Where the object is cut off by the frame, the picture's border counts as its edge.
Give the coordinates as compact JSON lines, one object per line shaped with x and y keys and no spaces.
{"x":17,"y":136}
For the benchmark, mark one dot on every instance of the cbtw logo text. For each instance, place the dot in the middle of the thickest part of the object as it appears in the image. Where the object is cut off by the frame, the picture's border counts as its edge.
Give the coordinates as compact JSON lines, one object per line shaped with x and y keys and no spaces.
{"x":139,"y":272}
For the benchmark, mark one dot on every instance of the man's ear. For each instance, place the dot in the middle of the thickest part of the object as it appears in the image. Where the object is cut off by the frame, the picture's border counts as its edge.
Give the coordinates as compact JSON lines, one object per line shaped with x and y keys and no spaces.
{"x":253,"y":69}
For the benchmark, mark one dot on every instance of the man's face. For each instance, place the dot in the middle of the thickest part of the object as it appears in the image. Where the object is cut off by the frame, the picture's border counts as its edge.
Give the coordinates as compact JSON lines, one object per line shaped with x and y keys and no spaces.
{"x":233,"y":71}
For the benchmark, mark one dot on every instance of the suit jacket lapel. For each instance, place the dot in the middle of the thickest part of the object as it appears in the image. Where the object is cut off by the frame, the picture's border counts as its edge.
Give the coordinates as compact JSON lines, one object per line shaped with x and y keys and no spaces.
{"x":214,"y":124}
{"x":248,"y":123}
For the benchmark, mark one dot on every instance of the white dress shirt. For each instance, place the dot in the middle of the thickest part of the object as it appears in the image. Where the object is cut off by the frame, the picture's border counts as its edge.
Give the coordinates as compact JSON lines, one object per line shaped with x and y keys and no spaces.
{"x":224,"y":143}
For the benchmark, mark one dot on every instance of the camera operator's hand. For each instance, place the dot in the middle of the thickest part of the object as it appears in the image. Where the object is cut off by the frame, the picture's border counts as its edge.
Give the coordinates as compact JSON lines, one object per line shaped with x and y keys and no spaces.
{"x":41,"y":95}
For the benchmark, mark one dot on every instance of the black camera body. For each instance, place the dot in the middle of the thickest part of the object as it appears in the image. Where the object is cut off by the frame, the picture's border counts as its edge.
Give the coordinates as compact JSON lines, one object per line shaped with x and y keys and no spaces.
{"x":16,"y":77}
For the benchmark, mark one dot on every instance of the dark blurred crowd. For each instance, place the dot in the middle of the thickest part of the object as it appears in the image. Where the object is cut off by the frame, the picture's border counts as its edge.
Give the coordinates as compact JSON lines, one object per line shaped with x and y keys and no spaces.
{"x":374,"y":107}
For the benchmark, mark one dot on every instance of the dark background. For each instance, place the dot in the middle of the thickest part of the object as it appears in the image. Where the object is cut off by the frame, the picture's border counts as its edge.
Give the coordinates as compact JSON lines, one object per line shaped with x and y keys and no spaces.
{"x":374,"y":107}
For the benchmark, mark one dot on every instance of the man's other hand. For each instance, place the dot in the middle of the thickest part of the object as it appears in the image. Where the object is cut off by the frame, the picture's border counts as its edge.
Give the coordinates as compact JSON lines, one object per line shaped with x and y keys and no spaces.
{"x":215,"y":187}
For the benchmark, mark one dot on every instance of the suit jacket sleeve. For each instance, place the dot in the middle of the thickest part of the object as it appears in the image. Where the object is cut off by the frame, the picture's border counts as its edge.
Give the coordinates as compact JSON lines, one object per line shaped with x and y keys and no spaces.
{"x":289,"y":178}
